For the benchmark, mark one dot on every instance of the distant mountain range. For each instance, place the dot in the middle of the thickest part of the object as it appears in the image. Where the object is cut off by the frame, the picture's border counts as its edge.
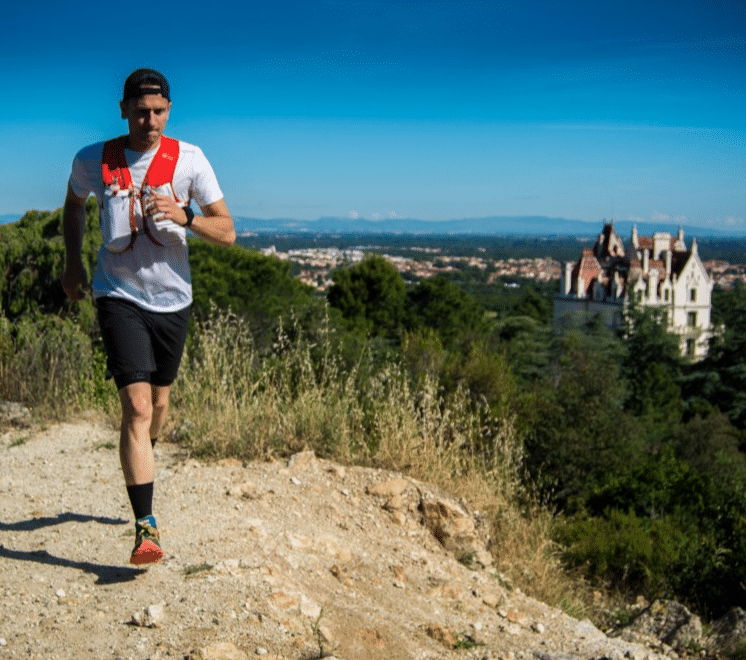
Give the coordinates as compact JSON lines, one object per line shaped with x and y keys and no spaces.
{"x":491,"y":226}
{"x":496,"y":225}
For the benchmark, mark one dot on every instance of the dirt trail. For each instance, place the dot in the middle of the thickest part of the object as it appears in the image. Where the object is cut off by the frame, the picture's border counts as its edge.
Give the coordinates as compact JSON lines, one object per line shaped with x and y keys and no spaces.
{"x":282,"y":561}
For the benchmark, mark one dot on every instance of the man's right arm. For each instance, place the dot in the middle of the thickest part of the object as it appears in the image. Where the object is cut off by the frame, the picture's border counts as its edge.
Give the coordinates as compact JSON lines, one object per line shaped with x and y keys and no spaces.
{"x":74,"y":279}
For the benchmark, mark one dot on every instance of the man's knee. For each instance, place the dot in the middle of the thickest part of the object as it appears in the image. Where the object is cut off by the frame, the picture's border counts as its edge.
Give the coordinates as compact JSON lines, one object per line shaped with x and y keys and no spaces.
{"x":160,"y":397}
{"x":137,"y":403}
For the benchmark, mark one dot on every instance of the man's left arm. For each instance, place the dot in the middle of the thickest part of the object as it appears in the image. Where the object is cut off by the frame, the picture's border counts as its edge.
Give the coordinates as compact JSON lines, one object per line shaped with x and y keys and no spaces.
{"x":215,"y":225}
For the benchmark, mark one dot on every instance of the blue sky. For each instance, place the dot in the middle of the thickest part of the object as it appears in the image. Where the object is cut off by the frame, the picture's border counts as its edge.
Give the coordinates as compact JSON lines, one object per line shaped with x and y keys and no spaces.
{"x":420,"y":109}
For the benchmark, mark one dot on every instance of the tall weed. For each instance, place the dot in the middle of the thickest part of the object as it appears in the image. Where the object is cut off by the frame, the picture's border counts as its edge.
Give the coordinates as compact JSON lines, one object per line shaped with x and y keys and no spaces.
{"x":49,"y":364}
{"x":232,"y":401}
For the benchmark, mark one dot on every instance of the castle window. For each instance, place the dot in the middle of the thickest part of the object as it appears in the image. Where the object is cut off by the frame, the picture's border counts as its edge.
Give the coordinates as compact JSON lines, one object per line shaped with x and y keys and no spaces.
{"x":692,"y":319}
{"x":690,"y":347}
{"x":693,"y":295}
{"x":666,"y":294}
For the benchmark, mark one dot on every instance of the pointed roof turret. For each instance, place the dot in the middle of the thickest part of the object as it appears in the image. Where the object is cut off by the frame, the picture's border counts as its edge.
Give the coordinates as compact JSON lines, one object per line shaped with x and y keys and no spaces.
{"x":609,"y":243}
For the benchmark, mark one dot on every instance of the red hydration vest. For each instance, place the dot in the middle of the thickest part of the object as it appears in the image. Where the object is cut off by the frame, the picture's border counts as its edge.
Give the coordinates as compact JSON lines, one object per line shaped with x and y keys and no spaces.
{"x":115,"y":172}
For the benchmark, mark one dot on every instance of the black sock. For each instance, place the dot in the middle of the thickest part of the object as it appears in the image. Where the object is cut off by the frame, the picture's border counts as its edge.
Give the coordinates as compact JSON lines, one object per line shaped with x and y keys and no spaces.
{"x":153,"y":441}
{"x":141,"y":498}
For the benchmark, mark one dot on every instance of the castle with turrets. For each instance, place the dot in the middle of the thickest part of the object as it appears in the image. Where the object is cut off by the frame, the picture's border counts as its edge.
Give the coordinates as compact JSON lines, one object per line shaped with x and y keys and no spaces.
{"x":658,"y":271}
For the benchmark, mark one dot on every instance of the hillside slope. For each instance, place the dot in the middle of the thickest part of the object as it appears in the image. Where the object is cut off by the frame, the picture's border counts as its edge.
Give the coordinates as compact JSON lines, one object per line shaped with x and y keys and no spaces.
{"x":291,"y":561}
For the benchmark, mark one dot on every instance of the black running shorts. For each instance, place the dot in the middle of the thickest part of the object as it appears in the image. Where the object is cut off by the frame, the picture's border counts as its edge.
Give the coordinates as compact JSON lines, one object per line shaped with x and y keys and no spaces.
{"x":141,"y":345}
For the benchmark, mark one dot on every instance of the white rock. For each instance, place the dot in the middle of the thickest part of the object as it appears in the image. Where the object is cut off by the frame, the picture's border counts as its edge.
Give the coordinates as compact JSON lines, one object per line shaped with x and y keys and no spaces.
{"x":301,"y":460}
{"x":221,"y":651}
{"x":150,"y":617}
{"x":391,"y":488}
{"x":309,"y":608}
{"x":586,"y":630}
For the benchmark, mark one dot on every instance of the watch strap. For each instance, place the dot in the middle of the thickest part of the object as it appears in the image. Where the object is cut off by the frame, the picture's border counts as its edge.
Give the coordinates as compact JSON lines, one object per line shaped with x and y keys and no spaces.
{"x":189,"y":215}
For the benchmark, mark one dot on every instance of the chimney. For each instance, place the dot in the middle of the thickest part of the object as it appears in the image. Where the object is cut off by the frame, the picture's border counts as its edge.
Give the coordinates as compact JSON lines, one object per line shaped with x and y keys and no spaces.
{"x":668,"y":264}
{"x":645,"y":261}
{"x":653,"y":286}
{"x":580,"y":286}
{"x":567,"y":280}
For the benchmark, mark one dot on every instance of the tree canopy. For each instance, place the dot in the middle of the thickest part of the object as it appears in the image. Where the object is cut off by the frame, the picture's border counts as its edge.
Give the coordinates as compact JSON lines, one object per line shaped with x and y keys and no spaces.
{"x":370,"y":295}
{"x":439,"y":304}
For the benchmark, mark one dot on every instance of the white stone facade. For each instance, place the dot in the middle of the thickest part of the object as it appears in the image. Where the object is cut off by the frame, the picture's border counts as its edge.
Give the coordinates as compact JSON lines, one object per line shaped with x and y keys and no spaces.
{"x":659,"y":271}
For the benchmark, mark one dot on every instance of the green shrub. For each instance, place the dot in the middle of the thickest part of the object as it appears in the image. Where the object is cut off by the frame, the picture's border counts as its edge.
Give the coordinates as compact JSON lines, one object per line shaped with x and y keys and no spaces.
{"x":632,"y":555}
{"x":48,"y":363}
{"x":683,"y":535}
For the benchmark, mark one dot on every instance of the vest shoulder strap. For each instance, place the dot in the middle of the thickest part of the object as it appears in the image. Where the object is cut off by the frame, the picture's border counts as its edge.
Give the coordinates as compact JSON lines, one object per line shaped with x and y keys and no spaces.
{"x":161,"y":169}
{"x":163,"y":165}
{"x":114,"y":164}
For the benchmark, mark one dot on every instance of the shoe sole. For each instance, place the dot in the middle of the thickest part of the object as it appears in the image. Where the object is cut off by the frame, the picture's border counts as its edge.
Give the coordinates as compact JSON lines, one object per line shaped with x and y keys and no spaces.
{"x":147,"y":553}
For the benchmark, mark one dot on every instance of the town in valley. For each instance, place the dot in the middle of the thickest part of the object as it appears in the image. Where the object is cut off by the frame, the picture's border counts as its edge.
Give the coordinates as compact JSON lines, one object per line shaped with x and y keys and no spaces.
{"x":314,"y":257}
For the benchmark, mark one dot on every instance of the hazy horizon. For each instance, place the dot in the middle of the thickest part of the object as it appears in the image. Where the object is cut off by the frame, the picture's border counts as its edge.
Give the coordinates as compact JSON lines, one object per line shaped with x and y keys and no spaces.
{"x":488,"y":225}
{"x":377,"y":109}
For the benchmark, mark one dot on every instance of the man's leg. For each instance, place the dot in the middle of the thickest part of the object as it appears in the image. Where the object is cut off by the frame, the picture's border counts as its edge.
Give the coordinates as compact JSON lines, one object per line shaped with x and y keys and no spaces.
{"x":161,"y":394}
{"x":135,"y":451}
{"x":136,"y":456}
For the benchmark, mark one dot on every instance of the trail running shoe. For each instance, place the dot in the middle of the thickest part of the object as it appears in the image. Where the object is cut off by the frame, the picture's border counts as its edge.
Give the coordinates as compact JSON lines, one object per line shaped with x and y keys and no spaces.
{"x":147,"y":548}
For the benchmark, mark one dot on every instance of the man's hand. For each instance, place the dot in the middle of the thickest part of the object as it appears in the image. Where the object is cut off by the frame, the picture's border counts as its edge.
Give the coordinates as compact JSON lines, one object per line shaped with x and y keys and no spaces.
{"x":75,"y":282}
{"x":215,"y":225}
{"x":161,"y":207}
{"x":74,"y":279}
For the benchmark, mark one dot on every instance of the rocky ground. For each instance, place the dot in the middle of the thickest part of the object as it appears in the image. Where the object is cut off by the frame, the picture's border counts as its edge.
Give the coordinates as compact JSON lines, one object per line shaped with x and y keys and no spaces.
{"x":292,"y":560}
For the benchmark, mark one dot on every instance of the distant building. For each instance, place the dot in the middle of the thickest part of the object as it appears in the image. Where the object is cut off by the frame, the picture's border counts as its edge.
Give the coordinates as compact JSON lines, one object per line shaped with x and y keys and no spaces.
{"x":658,"y":271}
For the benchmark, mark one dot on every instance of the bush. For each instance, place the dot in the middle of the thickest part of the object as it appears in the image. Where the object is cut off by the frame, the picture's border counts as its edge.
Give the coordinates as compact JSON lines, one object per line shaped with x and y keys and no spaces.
{"x":257,"y":287}
{"x":626,"y":553}
{"x":49,"y":364}
{"x":31,"y":262}
{"x":664,"y":528}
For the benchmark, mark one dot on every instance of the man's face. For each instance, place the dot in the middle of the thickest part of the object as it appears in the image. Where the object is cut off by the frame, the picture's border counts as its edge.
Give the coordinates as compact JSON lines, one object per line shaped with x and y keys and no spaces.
{"x":146,"y":117}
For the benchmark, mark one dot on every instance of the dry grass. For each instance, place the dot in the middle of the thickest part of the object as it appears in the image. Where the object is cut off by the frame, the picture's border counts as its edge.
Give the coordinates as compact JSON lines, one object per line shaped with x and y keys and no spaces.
{"x":240,"y":404}
{"x":48,"y":364}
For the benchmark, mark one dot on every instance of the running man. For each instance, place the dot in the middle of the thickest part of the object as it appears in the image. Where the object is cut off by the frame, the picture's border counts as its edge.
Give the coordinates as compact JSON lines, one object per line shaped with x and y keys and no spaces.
{"x":144,"y":183}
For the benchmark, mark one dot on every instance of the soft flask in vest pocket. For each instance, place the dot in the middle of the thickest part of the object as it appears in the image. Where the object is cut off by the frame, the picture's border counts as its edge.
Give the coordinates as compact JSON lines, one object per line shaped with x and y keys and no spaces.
{"x":164,"y":231}
{"x":115,"y":217}
{"x":122,"y":219}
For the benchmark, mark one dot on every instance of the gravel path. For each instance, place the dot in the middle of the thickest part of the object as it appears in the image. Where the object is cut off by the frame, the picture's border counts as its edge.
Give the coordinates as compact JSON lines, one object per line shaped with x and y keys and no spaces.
{"x":286,"y":561}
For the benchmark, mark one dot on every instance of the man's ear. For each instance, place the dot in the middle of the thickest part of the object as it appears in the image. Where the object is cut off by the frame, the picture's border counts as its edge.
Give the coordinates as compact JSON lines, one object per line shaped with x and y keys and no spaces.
{"x":123,"y":108}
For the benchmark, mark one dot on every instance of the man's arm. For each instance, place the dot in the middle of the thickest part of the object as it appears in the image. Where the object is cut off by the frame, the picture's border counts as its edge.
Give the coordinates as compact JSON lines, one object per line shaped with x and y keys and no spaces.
{"x":215,"y":225}
{"x":74,"y":279}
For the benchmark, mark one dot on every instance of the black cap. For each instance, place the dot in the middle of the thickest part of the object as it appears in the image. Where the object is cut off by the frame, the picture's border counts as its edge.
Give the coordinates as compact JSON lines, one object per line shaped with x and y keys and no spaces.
{"x":145,"y":81}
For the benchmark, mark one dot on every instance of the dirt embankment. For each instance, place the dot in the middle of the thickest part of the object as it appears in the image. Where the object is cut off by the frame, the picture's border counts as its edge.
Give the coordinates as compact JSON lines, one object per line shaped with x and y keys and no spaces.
{"x":292,"y":561}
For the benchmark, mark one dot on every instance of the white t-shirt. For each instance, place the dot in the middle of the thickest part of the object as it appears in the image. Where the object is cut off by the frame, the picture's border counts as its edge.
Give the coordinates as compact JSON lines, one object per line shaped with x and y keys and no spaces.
{"x":154,"y":277}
